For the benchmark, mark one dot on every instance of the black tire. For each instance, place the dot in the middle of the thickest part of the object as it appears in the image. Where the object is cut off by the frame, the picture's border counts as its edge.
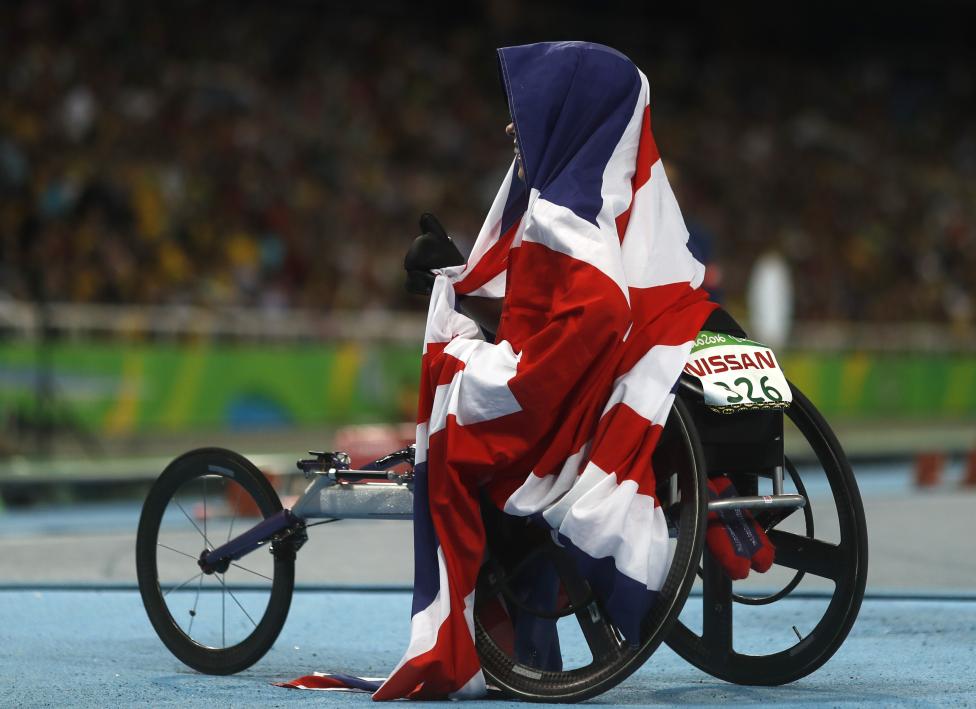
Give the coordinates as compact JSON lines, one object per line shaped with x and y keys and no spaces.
{"x":226,"y":479}
{"x":612,"y":659}
{"x":844,"y":563}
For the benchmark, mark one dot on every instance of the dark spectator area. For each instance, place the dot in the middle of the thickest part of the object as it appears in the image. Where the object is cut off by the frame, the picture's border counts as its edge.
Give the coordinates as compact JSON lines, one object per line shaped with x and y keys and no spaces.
{"x":278,"y":154}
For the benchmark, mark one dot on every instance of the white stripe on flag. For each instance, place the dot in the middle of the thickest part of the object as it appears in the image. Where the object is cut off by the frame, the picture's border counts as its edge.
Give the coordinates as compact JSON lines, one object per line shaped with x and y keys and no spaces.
{"x":555,"y":514}
{"x":444,"y":323}
{"x":445,"y":402}
{"x":420,"y":451}
{"x":602,"y":518}
{"x":646,"y":388}
{"x":561,"y":230}
{"x":617,"y":188}
{"x":538,"y":492}
{"x":474,"y":687}
{"x":479,"y":392}
{"x":426,"y":624}
{"x":495,"y":288}
{"x":484,"y":385}
{"x":491,"y":228}
{"x":660,"y":256}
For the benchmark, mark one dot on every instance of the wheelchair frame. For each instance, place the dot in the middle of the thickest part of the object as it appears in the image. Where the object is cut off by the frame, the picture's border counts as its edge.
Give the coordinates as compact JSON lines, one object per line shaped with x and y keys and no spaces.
{"x":377,"y":491}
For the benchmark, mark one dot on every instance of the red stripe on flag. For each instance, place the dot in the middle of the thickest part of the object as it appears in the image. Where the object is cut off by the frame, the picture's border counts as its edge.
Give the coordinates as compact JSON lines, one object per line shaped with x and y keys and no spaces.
{"x":455,"y":512}
{"x":314,"y":682}
{"x":624,"y":444}
{"x":494,"y":261}
{"x":647,"y":152}
{"x":563,"y":314}
{"x":647,"y":155}
{"x":438,"y":368}
{"x":673,"y":315}
{"x":436,"y":673}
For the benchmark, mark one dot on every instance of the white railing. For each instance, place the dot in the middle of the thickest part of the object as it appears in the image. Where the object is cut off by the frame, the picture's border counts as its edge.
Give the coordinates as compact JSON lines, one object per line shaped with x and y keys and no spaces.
{"x":24,"y":320}
{"x":846,"y":336}
{"x":75,"y":321}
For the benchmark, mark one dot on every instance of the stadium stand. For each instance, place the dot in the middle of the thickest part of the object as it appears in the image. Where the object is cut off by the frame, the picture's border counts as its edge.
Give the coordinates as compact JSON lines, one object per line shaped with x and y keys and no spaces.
{"x":276,"y":157}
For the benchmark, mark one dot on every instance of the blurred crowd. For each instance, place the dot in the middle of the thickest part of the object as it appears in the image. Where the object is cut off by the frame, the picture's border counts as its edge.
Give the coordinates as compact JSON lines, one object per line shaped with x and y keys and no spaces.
{"x":278,"y":155}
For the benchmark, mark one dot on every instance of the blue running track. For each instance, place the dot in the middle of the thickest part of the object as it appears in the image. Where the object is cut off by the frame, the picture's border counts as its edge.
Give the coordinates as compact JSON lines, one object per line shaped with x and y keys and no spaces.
{"x":90,"y":647}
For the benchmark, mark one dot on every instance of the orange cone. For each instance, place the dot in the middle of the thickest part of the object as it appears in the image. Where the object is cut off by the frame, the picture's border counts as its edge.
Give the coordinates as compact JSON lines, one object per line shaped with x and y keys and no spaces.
{"x":241,"y":504}
{"x":969,"y":476}
{"x":928,"y":469}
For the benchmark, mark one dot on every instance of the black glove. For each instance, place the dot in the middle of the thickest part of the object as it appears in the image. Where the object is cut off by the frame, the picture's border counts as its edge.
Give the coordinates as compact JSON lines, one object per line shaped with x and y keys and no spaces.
{"x":432,"y":249}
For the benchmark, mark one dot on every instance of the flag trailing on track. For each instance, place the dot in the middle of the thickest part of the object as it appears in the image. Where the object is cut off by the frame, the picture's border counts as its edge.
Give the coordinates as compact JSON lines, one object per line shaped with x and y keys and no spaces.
{"x":334,"y":682}
{"x":557,"y":418}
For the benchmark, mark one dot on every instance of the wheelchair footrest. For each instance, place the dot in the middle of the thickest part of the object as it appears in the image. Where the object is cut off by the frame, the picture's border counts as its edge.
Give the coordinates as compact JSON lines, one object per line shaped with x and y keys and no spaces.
{"x":757,"y":502}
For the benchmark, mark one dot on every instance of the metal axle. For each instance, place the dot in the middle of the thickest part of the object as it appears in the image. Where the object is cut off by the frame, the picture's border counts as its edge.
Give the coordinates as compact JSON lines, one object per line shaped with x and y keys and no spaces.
{"x":757,"y":502}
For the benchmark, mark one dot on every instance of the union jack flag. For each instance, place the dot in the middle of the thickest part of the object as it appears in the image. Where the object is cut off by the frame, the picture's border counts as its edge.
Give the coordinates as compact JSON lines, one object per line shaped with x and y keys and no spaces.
{"x":557,"y":418}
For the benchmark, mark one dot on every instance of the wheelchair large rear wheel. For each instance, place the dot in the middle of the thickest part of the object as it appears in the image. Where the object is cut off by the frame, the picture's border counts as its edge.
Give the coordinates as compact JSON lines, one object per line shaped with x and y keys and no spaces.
{"x":223,"y":622}
{"x":531,"y":583}
{"x":748,"y":634}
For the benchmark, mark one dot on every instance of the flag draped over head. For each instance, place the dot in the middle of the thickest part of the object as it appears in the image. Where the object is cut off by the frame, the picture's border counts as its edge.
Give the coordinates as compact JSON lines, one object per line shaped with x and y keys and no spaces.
{"x":558,"y":417}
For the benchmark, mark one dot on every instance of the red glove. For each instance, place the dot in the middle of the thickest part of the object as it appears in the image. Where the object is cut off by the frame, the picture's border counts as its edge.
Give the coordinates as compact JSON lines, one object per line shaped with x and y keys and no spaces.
{"x":734,"y":538}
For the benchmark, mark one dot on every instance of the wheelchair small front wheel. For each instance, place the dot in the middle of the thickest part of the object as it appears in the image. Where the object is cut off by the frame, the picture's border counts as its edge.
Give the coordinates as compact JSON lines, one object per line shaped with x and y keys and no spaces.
{"x":758,"y":638}
{"x":222,"y":622}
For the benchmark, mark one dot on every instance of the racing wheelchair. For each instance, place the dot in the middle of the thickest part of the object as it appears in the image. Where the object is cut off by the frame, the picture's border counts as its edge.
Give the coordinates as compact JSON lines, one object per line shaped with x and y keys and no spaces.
{"x":218,"y":595}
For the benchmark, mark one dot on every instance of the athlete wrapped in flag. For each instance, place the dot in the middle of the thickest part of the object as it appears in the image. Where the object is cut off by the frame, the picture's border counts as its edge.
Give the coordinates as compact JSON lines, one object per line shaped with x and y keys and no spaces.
{"x":557,"y":416}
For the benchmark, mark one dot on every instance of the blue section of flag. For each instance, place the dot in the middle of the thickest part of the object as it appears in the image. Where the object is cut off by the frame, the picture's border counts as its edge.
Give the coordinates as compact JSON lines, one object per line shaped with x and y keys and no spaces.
{"x":624,"y":600}
{"x":355,"y":682}
{"x":536,"y":638}
{"x":570,"y":102}
{"x":426,"y":575}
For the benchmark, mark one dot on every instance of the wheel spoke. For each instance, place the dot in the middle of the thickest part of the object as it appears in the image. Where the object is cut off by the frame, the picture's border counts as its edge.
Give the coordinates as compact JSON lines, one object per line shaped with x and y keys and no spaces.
{"x":179,"y":586}
{"x":716,"y":609}
{"x":193,"y":613}
{"x":244,"y":568}
{"x":597,"y":631}
{"x":195,"y":525}
{"x":189,"y":556}
{"x":234,"y":598}
{"x":205,"y":509}
{"x":237,"y":503}
{"x":801,"y":553}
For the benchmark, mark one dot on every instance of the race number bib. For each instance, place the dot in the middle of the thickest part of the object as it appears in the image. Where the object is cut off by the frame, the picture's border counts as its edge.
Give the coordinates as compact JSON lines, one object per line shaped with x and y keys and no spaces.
{"x":737,"y":374}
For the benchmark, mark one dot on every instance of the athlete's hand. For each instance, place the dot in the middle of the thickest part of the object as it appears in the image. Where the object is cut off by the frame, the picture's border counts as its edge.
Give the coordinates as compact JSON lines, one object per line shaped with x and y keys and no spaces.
{"x":432,"y":249}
